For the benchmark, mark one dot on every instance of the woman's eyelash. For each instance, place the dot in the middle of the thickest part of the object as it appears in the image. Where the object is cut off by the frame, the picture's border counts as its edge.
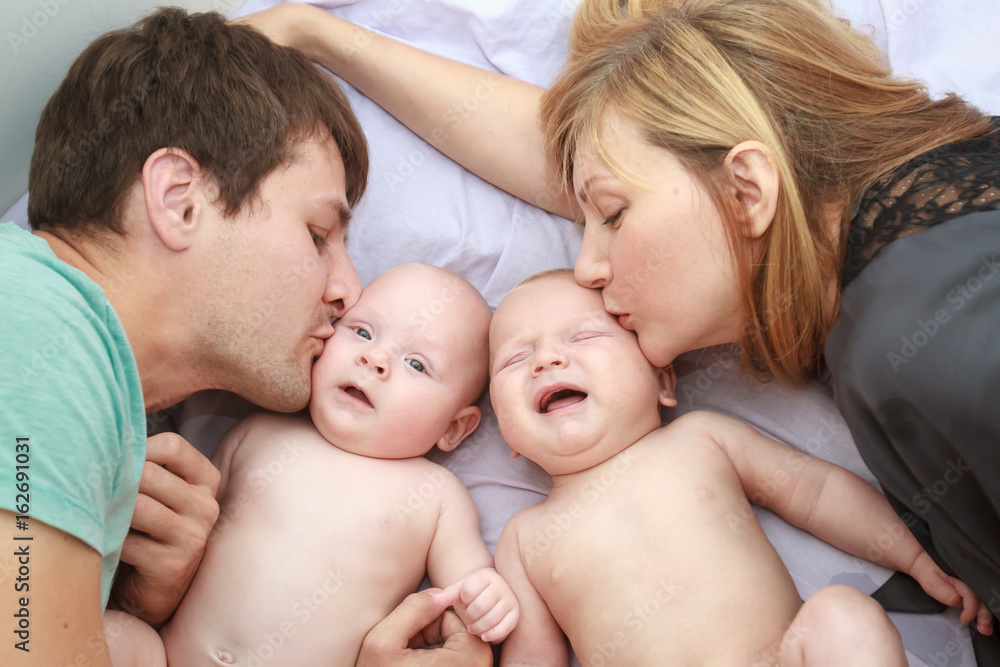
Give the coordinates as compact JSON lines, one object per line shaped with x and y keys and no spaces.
{"x":613,"y":220}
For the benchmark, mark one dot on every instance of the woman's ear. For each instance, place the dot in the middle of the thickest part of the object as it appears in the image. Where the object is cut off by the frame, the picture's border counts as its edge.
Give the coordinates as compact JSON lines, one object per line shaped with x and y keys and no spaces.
{"x":174,"y":192}
{"x":461,"y":426}
{"x":753,"y":172}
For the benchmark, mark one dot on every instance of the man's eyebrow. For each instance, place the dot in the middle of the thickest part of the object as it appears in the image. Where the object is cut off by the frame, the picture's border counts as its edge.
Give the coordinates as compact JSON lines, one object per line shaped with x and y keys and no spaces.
{"x":341,"y":211}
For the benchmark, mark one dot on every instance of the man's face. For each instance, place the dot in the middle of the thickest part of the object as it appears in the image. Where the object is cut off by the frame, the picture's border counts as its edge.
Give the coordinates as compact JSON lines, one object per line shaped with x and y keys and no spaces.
{"x":280,"y":273}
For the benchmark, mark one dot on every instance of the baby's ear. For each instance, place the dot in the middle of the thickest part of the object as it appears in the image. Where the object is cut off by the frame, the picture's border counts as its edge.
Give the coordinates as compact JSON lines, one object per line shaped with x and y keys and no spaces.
{"x":668,"y":386}
{"x":462,"y":424}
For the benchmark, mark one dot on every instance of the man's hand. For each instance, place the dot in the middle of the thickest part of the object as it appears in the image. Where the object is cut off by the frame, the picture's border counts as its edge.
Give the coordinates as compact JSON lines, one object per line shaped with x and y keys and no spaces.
{"x":173,"y":516}
{"x":421,"y":620}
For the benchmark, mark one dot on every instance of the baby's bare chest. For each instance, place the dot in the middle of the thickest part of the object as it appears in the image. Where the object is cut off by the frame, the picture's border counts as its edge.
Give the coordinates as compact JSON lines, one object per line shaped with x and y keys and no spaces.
{"x":323,"y":496}
{"x":636,"y":553}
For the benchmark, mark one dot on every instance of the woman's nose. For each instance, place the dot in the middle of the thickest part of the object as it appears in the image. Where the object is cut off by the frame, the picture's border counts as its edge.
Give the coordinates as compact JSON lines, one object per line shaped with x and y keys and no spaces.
{"x":592,"y":267}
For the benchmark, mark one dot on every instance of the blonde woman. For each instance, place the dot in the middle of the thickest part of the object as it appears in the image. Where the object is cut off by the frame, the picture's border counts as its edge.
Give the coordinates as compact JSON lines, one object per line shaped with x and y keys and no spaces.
{"x":750,"y":172}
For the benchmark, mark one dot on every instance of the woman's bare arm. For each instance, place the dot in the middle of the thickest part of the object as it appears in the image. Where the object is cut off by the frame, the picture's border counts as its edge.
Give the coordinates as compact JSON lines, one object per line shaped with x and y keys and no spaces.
{"x":485,"y":121}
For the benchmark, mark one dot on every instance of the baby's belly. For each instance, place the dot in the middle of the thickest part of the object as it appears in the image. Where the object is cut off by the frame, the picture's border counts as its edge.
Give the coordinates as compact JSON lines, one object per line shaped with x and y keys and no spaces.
{"x":681,"y":621}
{"x":636,"y":594}
{"x":305,"y":608}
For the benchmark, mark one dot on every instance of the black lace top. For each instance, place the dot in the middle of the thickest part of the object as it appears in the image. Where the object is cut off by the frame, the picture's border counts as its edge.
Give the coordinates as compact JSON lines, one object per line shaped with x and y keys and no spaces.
{"x":942,"y":184}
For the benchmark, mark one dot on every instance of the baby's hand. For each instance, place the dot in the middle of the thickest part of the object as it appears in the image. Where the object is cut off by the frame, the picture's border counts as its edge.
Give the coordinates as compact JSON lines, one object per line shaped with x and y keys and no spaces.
{"x":952,"y":592}
{"x":486,"y":604}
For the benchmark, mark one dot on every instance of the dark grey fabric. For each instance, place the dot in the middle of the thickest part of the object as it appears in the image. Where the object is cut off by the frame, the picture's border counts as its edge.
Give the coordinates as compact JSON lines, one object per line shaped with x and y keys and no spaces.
{"x":942,"y":184}
{"x":914,"y":360}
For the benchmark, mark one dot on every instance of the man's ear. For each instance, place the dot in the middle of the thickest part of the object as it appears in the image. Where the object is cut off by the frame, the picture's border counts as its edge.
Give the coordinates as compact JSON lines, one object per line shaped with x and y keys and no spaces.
{"x":174,"y":190}
{"x":752,"y":169}
{"x":462,"y":424}
{"x":668,"y":386}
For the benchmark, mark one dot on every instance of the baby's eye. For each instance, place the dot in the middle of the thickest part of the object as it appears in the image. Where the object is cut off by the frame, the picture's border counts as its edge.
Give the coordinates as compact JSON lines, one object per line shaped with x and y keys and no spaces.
{"x":516,"y":359}
{"x":584,"y":335}
{"x":362,"y":332}
{"x":416,"y":365}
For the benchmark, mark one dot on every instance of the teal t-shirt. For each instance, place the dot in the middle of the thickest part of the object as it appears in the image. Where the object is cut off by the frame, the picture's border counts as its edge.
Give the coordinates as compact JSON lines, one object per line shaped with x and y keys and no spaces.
{"x":72,"y":418}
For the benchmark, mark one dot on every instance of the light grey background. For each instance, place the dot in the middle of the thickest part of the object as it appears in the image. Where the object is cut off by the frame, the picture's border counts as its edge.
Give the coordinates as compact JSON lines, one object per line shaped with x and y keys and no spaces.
{"x":40,"y":38}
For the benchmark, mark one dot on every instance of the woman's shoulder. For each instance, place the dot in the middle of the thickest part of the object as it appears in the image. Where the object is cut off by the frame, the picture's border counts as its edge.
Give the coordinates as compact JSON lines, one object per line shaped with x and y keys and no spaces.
{"x":941,"y":184}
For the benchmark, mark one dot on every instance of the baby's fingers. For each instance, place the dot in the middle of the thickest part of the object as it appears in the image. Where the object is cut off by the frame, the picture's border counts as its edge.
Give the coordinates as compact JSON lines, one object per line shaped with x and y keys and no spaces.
{"x":480,"y":606}
{"x":984,"y":620}
{"x":970,"y":602}
{"x":498,"y":631}
{"x":473,"y":586}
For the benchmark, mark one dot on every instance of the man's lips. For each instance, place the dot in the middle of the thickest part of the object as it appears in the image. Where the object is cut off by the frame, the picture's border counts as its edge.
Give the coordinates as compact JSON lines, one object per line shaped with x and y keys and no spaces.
{"x":556,"y":397}
{"x":356,"y":394}
{"x":323,"y":332}
{"x":320,"y":338}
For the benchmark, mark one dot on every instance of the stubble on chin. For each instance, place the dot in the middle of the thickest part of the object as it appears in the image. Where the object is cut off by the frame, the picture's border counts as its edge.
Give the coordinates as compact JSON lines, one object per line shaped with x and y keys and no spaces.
{"x":281,"y":387}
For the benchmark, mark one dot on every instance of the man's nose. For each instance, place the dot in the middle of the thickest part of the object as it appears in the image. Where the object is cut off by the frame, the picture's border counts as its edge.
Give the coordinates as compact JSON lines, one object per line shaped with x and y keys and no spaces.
{"x":343,"y":287}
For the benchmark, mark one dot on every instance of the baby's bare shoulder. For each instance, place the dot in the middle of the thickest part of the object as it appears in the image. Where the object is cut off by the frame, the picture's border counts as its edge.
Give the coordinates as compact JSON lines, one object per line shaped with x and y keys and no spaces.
{"x":703,"y":425}
{"x":272,"y":439}
{"x":696,"y":441}
{"x":693,"y":431}
{"x":426,"y":473}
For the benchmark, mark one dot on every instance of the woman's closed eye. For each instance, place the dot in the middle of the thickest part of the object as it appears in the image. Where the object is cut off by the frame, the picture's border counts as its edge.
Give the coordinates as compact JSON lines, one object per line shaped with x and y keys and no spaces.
{"x":614,"y":221}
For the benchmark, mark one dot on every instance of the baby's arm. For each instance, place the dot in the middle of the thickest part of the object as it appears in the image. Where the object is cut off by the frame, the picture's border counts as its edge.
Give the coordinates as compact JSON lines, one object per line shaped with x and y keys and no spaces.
{"x":459,"y":562}
{"x":228,"y":447}
{"x":834,"y":504}
{"x":537,"y":639}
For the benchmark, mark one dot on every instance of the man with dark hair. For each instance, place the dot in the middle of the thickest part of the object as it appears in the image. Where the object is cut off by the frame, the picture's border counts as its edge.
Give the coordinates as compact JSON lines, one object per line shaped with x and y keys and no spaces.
{"x":190,"y":190}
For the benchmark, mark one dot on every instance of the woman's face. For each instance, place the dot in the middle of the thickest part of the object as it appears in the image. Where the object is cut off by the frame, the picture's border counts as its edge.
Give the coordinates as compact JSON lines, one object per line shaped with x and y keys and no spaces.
{"x":656,"y":246}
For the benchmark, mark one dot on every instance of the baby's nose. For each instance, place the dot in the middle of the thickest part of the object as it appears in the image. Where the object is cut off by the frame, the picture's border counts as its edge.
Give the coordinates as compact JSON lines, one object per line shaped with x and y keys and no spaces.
{"x":378,"y":363}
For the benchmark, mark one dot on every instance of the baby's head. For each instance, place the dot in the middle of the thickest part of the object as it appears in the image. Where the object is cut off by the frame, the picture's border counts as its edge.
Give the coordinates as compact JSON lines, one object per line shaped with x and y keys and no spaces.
{"x":405,"y":366}
{"x":569,"y":385}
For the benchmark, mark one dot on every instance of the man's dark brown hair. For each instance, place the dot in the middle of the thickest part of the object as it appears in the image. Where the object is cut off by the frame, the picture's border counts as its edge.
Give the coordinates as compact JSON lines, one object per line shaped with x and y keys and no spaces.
{"x":225,"y":93}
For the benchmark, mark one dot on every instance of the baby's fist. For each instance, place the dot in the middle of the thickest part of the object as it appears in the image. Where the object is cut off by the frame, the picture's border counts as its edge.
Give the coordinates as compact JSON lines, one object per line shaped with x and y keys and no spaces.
{"x":486,"y":604}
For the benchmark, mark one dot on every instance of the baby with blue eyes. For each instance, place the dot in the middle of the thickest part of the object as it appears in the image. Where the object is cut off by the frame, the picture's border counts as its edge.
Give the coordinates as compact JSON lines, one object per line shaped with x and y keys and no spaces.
{"x":329,"y":520}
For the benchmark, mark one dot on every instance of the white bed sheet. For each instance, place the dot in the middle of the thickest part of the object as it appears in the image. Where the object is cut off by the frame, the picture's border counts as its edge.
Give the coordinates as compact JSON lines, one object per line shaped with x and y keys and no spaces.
{"x":420,"y":206}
